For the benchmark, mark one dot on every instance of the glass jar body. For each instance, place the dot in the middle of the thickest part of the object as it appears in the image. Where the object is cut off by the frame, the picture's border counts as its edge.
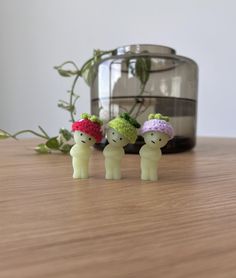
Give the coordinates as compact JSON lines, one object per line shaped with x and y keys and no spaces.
{"x":145,"y":79}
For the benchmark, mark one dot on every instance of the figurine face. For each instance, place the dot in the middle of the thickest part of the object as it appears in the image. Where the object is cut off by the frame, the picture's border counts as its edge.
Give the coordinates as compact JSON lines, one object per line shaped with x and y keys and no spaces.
{"x":116,"y":139}
{"x":82,"y":139}
{"x":155,"y":139}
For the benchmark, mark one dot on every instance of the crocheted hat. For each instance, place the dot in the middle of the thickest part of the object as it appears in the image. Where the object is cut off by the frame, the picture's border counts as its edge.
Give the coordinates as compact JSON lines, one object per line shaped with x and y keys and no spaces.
{"x":126,"y":126}
{"x":157,"y":122}
{"x":89,"y":124}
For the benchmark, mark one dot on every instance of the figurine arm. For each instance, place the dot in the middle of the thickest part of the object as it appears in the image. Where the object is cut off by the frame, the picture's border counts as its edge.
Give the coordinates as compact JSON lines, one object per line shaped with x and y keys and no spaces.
{"x":147,"y":153}
{"x":110,"y":152}
{"x":119,"y":155}
{"x":143,"y":152}
{"x":107,"y":152}
{"x":80,"y":152}
{"x":74,"y":151}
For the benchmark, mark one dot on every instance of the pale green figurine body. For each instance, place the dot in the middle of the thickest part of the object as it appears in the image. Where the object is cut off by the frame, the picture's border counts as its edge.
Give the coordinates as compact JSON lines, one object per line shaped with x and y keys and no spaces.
{"x":151,"y":154}
{"x":80,"y":153}
{"x":87,"y":131}
{"x":121,"y":131}
{"x":114,"y":153}
{"x":156,"y":131}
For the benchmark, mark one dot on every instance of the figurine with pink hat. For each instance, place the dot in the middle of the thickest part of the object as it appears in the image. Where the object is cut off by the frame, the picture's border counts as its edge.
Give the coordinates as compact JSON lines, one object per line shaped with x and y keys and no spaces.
{"x":157,"y":131}
{"x":87,"y":131}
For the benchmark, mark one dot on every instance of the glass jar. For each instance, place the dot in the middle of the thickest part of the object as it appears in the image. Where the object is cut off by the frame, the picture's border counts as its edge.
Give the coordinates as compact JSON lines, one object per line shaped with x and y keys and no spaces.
{"x":144,"y":79}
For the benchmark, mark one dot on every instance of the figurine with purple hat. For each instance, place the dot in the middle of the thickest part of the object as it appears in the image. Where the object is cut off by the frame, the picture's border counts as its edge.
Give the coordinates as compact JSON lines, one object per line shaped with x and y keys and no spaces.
{"x":156,"y":131}
{"x":87,"y":131}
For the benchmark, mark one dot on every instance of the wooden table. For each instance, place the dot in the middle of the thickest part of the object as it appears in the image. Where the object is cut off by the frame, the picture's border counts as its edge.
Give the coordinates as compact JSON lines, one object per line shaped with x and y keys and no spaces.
{"x":182,"y":226}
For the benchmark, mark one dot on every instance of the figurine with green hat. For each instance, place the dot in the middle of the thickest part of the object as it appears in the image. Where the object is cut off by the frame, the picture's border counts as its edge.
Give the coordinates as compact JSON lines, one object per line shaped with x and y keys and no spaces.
{"x":121,"y":131}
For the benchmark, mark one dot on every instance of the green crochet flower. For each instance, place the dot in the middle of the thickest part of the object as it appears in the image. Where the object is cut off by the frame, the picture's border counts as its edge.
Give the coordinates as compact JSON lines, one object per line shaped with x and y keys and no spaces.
{"x":158,"y":117}
{"x":92,"y":118}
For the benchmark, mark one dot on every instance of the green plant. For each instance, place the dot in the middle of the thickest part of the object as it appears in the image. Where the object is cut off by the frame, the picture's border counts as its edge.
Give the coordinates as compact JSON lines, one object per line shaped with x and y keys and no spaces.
{"x":62,"y":142}
{"x":139,"y":67}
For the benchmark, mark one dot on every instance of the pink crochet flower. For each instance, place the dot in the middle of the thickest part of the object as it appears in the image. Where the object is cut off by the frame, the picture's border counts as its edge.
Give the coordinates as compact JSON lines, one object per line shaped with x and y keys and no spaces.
{"x":91,"y":128}
{"x":157,"y":125}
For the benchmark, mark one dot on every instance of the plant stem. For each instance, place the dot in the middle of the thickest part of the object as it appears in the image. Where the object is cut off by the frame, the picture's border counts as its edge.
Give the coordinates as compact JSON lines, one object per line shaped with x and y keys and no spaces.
{"x":4,"y":131}
{"x":83,"y":68}
{"x":69,"y":62}
{"x":140,"y":94}
{"x":44,"y":132}
{"x":138,"y":110}
{"x":71,"y":98}
{"x":28,"y":131}
{"x":91,"y":59}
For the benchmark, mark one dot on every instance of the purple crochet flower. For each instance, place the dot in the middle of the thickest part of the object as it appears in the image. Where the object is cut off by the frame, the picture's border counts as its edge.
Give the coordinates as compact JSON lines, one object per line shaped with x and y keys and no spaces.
{"x":157,"y":125}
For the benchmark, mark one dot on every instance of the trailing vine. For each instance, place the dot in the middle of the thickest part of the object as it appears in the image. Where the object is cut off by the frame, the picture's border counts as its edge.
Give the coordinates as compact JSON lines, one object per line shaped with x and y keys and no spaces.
{"x":139,"y":67}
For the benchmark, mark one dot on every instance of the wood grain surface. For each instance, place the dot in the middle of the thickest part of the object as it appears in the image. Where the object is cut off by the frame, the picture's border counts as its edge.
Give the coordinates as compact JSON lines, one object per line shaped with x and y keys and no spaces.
{"x":184,"y":225}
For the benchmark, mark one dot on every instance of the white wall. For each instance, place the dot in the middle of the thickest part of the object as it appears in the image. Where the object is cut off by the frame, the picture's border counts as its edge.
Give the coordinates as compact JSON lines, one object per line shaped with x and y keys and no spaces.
{"x":35,"y":35}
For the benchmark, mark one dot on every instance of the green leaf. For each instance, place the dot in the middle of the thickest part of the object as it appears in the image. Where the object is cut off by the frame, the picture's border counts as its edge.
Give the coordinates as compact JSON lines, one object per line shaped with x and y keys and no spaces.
{"x":89,"y":70}
{"x":139,"y":67}
{"x":42,"y":148}
{"x":53,"y":143}
{"x":3,"y":135}
{"x":66,"y":106}
{"x":129,"y":119}
{"x":88,"y":73}
{"x":66,"y":134}
{"x":65,"y":148}
{"x":64,"y":73}
{"x":142,"y":69}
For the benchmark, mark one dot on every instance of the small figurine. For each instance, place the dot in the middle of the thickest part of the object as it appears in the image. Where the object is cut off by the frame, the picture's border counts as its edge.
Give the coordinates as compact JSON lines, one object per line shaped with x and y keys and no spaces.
{"x":87,"y":131}
{"x":157,"y":131}
{"x":122,"y":130}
